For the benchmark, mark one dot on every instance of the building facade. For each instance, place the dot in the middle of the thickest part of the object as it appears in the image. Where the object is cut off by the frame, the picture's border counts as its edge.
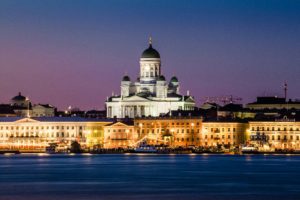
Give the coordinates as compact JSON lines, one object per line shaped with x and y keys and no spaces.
{"x":151,"y":94}
{"x":37,"y":133}
{"x":43,"y":110}
{"x":119,"y":135}
{"x":170,"y":131}
{"x":228,"y":134}
{"x":276,"y":134}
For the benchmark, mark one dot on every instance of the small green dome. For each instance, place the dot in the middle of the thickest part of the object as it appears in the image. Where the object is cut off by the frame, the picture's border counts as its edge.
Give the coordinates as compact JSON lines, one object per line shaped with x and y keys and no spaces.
{"x":161,"y":78}
{"x":174,"y":79}
{"x":126,"y":78}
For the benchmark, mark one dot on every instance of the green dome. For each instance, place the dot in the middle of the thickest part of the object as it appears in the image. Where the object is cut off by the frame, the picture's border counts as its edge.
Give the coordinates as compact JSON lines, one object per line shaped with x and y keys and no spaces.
{"x":174,"y":79}
{"x":19,"y":97}
{"x":126,"y":78}
{"x":161,"y":78}
{"x":150,"y":53}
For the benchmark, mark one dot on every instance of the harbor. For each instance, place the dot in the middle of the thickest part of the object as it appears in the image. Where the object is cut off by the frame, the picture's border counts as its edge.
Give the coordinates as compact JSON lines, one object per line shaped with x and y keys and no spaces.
{"x":149,"y":176}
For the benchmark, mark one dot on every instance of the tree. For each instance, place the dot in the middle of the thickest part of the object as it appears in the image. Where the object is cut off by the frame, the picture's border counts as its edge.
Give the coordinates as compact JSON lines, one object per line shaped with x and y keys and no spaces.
{"x":75,"y":147}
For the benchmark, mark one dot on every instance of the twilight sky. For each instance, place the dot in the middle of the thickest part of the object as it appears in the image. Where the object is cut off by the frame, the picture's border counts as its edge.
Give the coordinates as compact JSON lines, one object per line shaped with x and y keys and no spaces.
{"x":75,"y":52}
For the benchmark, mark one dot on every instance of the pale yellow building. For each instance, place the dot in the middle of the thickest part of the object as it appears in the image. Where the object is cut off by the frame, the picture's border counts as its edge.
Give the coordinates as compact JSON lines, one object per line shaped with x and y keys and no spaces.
{"x":224,"y":133}
{"x":277,"y":134}
{"x":36,"y":133}
{"x":119,"y":135}
{"x":190,"y":131}
{"x":171,"y":131}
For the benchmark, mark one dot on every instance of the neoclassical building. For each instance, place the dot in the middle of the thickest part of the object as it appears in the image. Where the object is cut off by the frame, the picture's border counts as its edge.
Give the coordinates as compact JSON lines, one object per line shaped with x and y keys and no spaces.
{"x":151,"y":94}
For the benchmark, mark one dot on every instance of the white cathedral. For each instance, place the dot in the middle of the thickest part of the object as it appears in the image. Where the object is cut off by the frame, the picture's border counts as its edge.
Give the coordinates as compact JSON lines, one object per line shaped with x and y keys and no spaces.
{"x":150,"y":94}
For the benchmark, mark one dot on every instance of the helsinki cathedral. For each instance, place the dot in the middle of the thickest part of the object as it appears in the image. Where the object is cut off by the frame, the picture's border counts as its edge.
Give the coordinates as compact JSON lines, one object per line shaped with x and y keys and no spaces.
{"x":151,"y":94}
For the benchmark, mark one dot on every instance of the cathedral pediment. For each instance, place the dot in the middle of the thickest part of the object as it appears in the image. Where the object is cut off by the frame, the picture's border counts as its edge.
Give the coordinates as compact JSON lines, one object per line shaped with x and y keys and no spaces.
{"x":135,"y":98}
{"x":189,"y":99}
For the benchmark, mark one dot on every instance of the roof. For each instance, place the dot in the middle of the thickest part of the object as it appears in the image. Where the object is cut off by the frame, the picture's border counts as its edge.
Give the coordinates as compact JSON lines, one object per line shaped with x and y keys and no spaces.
{"x":174,"y":79}
{"x":19,"y":97}
{"x":161,"y":78}
{"x":126,"y":78}
{"x":232,"y":107}
{"x":56,"y":119}
{"x":126,"y":122}
{"x":10,"y":119}
{"x":46,"y":105}
{"x":150,"y":53}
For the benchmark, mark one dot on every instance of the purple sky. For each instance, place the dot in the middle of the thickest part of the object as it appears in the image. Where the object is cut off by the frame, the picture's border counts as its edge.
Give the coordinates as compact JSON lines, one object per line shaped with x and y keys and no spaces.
{"x":75,"y":52}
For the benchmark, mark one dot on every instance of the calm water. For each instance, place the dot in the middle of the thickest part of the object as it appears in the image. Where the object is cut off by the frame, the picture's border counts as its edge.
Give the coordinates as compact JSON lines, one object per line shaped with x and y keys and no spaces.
{"x":149,"y":177}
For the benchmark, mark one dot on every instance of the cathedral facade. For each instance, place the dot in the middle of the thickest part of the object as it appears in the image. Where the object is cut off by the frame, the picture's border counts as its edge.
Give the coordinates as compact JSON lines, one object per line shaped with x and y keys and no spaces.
{"x":151,"y":94}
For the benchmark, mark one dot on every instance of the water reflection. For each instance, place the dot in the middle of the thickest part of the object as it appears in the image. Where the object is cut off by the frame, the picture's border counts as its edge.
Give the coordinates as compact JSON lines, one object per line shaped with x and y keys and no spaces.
{"x":149,"y":176}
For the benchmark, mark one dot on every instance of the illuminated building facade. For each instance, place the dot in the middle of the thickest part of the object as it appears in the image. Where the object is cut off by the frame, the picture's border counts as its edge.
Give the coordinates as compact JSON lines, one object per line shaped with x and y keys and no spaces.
{"x":277,"y":134}
{"x":34,"y":134}
{"x":119,"y":135}
{"x":150,"y":94}
{"x":227,"y":134}
{"x":171,"y":131}
{"x":37,"y":133}
{"x":189,"y":131}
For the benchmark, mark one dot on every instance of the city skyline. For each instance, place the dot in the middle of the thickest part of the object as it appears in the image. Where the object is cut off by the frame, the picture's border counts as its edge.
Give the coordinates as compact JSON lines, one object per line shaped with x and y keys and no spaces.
{"x":77,"y":53}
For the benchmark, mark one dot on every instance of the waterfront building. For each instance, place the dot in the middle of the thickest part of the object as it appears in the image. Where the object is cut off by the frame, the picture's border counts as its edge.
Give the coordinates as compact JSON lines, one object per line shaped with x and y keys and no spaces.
{"x":151,"y":94}
{"x":171,"y":131}
{"x":224,"y":133}
{"x":120,"y":134}
{"x":190,"y":131}
{"x":274,"y":134}
{"x":36,"y":133}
